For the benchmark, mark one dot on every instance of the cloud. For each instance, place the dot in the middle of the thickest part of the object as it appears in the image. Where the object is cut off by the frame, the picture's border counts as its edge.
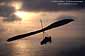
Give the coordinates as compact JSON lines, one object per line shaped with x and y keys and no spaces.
{"x":5,"y":11}
{"x":5,"y":0}
{"x":48,"y":5}
{"x":11,"y":18}
{"x":33,"y":5}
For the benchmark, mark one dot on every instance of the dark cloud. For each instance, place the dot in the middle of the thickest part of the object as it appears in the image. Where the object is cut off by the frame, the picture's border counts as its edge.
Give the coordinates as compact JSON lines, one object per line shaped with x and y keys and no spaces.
{"x":11,"y":18}
{"x":5,"y":0}
{"x":48,"y":5}
{"x":5,"y":11}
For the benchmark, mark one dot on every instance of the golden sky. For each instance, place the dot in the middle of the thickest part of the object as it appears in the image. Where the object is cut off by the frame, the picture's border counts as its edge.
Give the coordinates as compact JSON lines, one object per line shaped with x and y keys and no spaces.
{"x":62,"y":37}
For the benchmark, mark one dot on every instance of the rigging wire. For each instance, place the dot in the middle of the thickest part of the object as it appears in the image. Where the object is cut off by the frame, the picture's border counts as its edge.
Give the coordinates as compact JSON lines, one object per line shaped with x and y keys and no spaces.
{"x":42,"y":27}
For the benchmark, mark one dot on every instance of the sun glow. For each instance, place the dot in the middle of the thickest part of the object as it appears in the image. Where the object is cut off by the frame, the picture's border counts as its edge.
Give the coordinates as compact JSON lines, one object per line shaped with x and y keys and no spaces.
{"x":25,"y":15}
{"x":17,"y":5}
{"x":23,"y":44}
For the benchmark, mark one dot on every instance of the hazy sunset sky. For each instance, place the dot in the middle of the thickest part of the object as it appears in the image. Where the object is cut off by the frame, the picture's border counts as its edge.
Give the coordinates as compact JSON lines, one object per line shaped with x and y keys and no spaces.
{"x":23,"y":16}
{"x":19,"y":21}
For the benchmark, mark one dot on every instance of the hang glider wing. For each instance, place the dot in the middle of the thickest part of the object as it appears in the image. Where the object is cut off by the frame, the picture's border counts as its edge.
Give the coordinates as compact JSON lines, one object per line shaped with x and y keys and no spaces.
{"x":53,"y":25}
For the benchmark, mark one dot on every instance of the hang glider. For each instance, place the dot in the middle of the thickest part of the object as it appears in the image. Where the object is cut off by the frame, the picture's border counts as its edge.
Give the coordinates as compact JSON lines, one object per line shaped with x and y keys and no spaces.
{"x":53,"y":25}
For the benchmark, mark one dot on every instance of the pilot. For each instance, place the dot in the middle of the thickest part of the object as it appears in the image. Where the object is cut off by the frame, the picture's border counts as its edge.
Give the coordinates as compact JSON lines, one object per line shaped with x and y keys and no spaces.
{"x":45,"y":40}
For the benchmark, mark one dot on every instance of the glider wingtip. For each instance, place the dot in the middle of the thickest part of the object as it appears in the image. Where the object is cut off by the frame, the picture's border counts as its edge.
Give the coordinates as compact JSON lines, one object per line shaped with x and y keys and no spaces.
{"x":8,"y":40}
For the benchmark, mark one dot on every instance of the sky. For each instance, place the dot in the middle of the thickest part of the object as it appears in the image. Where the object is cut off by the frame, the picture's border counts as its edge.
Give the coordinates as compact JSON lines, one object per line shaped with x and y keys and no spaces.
{"x":23,"y":16}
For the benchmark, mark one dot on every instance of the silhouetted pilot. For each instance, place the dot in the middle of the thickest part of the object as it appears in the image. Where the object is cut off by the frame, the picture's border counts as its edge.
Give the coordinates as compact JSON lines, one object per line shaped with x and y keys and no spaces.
{"x":45,"y":40}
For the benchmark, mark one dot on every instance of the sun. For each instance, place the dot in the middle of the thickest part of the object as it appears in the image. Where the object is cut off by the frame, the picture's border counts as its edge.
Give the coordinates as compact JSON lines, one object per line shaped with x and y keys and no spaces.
{"x":17,"y":5}
{"x":25,"y":15}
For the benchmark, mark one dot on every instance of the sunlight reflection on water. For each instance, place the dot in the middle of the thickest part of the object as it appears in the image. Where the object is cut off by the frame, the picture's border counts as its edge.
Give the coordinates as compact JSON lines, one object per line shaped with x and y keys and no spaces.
{"x":22,"y":48}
